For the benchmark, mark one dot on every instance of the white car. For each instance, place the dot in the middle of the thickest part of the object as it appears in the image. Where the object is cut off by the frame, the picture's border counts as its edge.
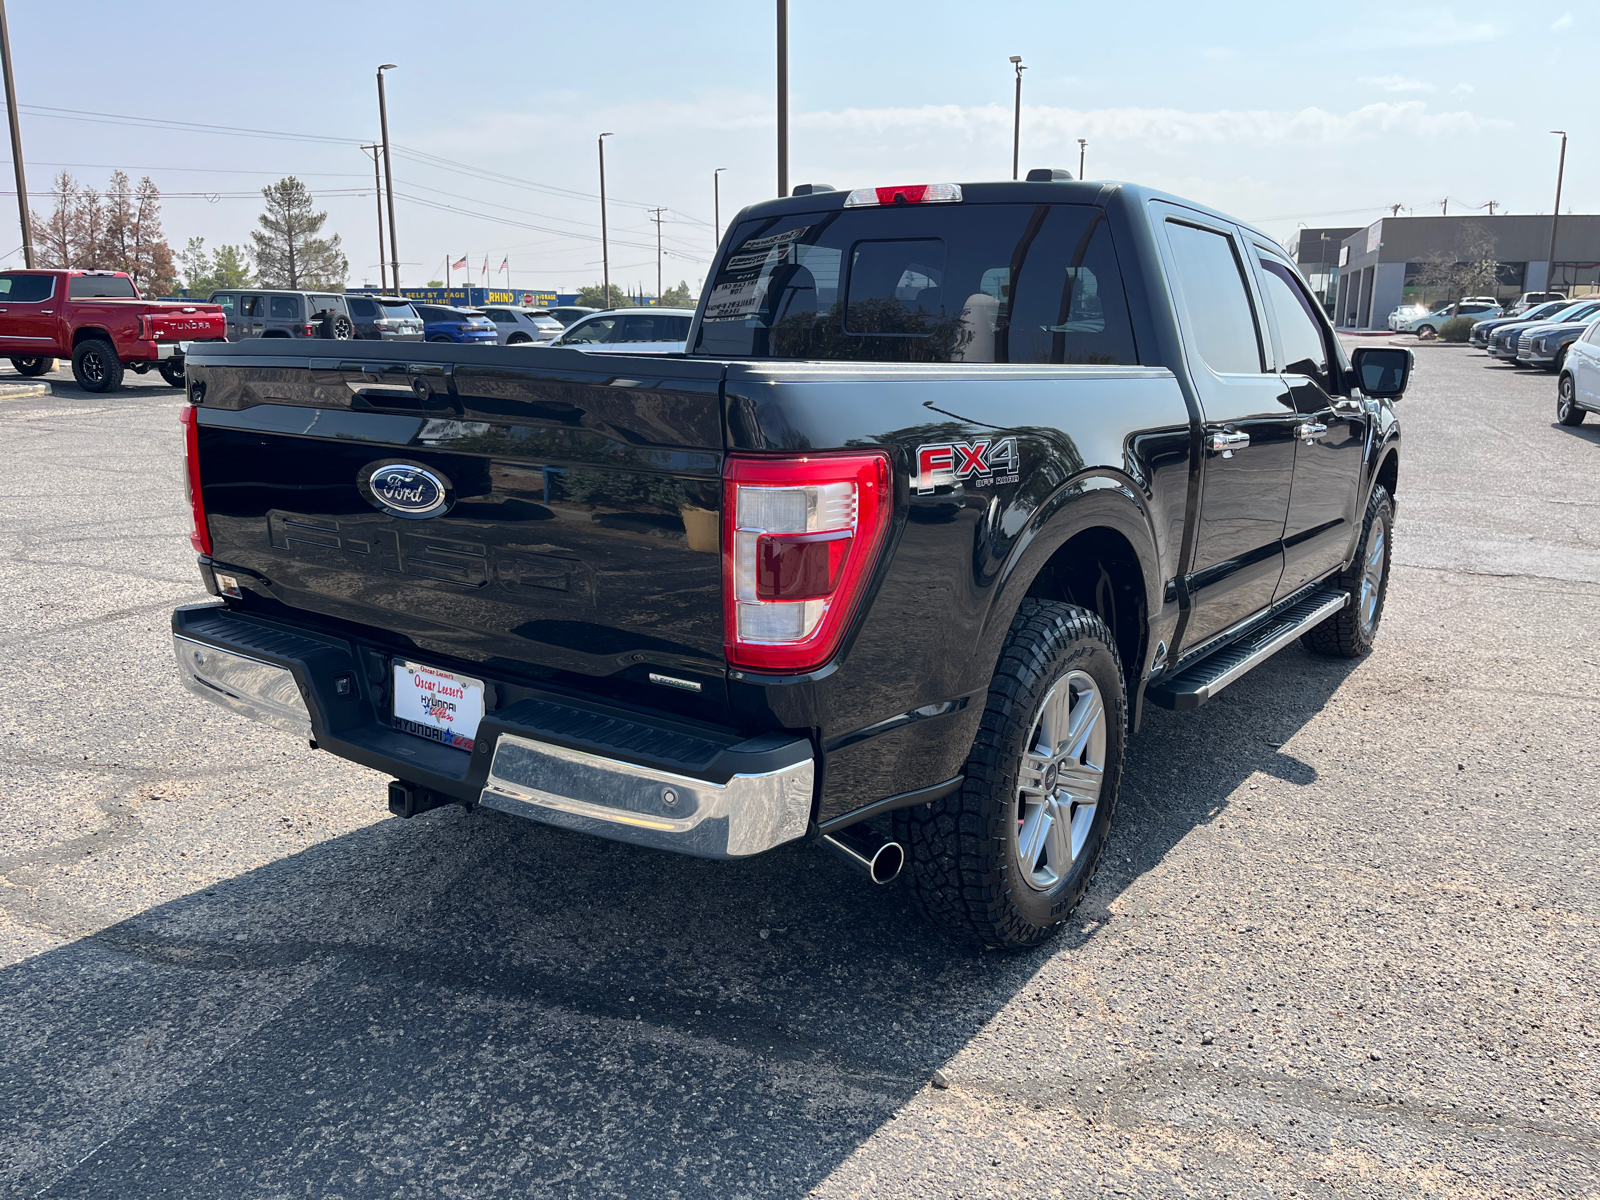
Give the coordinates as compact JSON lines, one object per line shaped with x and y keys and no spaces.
{"x":1579,"y":389}
{"x":1478,"y":309}
{"x":1406,"y":312}
{"x":523,"y":326}
{"x":630,"y":331}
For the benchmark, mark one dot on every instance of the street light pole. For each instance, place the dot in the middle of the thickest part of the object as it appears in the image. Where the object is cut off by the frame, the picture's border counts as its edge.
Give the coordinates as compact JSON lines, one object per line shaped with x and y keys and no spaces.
{"x":1016,"y":120}
{"x":1082,"y":145}
{"x":377,"y":191}
{"x":605,"y":249}
{"x":783,"y":97}
{"x":716,"y":208}
{"x":1555,"y":214}
{"x":388,"y":175}
{"x":16,"y":141}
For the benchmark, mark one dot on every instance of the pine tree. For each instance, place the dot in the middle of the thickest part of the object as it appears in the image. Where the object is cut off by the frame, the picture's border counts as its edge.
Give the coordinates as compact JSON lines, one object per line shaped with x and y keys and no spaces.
{"x":288,"y":252}
{"x":678,"y":297}
{"x":230,"y":267}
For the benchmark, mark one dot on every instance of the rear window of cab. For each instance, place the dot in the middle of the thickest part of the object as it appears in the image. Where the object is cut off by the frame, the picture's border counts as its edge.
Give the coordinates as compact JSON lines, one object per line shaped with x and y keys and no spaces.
{"x":978,"y":283}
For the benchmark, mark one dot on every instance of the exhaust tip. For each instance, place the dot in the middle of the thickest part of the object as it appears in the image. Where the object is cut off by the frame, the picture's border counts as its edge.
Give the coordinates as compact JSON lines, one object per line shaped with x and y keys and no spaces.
{"x":886,"y":863}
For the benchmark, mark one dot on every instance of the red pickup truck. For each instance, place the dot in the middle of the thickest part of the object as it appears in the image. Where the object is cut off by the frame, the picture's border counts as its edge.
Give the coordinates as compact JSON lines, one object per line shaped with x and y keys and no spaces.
{"x":99,"y":321}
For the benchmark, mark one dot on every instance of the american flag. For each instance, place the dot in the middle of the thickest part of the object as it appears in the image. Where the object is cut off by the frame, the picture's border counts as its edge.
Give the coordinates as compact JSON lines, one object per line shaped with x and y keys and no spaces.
{"x":460,"y":264}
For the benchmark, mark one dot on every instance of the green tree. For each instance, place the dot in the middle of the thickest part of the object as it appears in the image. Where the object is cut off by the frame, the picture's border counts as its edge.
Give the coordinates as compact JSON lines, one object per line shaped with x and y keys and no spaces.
{"x":595,"y":296}
{"x":230,"y":268}
{"x":678,"y":297}
{"x":434,"y":283}
{"x":288,"y":252}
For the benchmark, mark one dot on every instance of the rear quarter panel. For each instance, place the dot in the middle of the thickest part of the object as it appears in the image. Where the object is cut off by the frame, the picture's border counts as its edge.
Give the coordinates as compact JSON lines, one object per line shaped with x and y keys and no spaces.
{"x":1095,"y":446}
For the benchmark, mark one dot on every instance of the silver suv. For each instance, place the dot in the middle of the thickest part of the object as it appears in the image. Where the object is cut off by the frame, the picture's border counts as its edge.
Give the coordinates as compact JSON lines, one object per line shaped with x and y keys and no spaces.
{"x":266,"y":313}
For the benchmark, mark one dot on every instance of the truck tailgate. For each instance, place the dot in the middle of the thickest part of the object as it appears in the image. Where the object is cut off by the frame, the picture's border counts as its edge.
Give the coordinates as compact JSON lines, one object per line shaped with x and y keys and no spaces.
{"x":182,"y":323}
{"x":579,"y":535}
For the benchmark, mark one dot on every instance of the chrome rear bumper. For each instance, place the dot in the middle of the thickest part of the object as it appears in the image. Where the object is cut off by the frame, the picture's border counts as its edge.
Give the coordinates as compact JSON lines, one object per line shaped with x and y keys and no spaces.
{"x":247,"y":686}
{"x":628,"y":803}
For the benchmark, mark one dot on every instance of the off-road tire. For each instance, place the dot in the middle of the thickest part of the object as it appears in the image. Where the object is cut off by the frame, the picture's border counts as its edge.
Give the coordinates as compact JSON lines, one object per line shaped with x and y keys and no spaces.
{"x":1347,"y":634}
{"x":31,"y":366}
{"x":172,"y":371}
{"x":95,"y":365}
{"x":337,"y":326}
{"x":962,"y":858}
{"x":1567,"y":410}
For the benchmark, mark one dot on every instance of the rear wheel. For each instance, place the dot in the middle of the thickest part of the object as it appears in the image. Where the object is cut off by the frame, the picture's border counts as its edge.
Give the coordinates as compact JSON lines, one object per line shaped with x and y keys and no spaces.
{"x":96,"y":367}
{"x":438,"y":337}
{"x":172,"y":371}
{"x":1350,"y":632}
{"x":1567,"y":410}
{"x":518,"y":339}
{"x":31,"y":366}
{"x":1426,"y":331}
{"x":1006,"y":859}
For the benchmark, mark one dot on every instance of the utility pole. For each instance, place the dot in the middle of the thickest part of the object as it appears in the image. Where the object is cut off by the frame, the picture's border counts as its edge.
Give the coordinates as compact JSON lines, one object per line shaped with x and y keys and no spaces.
{"x":1444,"y":207}
{"x":1394,"y":209}
{"x":1016,"y":119}
{"x":1082,"y":143}
{"x":655,"y":215}
{"x":377,"y":191}
{"x":16,"y":140}
{"x":783,"y":97}
{"x":716,"y":209}
{"x":605,"y":250}
{"x":1555,"y":213}
{"x":388,"y":175}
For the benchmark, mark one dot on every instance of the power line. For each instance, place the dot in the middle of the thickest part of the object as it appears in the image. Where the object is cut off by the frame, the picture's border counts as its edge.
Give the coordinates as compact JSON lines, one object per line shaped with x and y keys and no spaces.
{"x":103,"y":118}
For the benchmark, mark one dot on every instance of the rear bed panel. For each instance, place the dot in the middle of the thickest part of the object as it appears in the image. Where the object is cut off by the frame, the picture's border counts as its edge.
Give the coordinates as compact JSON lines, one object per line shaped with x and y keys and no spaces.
{"x":584,"y":536}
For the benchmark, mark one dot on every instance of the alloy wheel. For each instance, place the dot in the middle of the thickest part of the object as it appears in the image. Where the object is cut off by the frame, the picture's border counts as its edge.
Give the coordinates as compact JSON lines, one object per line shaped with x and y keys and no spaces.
{"x":1564,"y":398}
{"x":93,"y":369}
{"x":1372,"y":576}
{"x":1058,"y":787}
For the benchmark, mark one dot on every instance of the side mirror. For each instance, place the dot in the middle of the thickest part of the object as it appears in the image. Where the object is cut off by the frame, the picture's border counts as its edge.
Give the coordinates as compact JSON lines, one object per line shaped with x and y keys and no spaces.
{"x":1383,"y":371}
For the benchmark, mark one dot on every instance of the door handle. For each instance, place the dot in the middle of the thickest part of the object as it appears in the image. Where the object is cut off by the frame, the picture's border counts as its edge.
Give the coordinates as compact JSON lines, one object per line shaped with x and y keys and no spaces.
{"x":1311,"y":431}
{"x":1227,"y":443}
{"x":47,"y":312}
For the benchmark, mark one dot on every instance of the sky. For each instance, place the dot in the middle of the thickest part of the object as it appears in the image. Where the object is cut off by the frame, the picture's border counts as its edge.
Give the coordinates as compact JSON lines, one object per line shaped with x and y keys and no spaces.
{"x":1280,"y":115}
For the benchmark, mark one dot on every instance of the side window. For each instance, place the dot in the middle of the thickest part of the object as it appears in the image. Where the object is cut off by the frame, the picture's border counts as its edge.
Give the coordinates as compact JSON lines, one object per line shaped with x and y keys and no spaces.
{"x":227,"y":303}
{"x":27,"y":289}
{"x":250,"y":306}
{"x":1210,"y":279}
{"x":284,"y":308}
{"x":362,"y":310}
{"x":1304,"y":350}
{"x":672,"y":329}
{"x":637,"y":329}
{"x":1592,"y":335}
{"x":598,"y":330}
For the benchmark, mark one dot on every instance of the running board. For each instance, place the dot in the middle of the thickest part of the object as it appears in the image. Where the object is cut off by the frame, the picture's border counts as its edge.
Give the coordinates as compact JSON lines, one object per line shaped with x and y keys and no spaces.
{"x":1194,"y":685}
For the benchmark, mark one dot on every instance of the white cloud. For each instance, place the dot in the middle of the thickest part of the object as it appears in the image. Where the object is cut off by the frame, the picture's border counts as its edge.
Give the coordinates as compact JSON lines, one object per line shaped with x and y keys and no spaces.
{"x":1396,"y":83}
{"x":1564,"y":21}
{"x":1462,"y":89}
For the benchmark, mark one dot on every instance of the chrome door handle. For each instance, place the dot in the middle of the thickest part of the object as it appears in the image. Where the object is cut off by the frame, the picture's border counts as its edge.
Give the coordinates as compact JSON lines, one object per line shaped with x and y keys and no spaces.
{"x":1311,"y":431}
{"x":1227,"y":443}
{"x":47,"y":312}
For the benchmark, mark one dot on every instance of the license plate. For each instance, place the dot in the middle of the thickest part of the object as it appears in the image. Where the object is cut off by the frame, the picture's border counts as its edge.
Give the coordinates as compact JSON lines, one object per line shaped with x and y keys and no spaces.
{"x":437,"y":705}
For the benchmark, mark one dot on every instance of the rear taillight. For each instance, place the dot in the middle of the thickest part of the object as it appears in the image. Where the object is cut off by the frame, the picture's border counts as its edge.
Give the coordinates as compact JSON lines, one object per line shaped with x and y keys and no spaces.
{"x":799,"y":541}
{"x":199,"y":535}
{"x":308,"y":331}
{"x":908,"y":193}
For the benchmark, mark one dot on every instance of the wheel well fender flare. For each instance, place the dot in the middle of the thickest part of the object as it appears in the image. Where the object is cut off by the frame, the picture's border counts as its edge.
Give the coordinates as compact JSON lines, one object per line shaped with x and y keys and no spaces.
{"x":91,"y":333}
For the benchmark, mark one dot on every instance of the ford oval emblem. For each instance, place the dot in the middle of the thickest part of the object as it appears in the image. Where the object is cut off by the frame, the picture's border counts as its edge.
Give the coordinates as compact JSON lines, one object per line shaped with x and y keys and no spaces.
{"x":405,"y":489}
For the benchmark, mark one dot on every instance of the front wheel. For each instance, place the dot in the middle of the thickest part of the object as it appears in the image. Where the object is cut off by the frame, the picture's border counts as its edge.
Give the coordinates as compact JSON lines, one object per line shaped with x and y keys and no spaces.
{"x":1558,"y":362}
{"x":172,"y":371}
{"x":1567,"y":410}
{"x":31,"y":366}
{"x":1350,"y":632}
{"x":1005,"y":860}
{"x":438,"y":337}
{"x":1426,"y":331}
{"x":96,"y":367}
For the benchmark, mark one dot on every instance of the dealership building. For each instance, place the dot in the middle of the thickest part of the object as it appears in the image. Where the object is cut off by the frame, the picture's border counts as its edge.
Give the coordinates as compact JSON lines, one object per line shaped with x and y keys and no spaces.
{"x":1394,"y":261}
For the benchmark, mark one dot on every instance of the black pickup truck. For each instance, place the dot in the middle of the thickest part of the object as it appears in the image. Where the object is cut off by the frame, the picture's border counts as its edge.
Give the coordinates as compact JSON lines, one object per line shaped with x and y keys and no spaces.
{"x":950,"y":482}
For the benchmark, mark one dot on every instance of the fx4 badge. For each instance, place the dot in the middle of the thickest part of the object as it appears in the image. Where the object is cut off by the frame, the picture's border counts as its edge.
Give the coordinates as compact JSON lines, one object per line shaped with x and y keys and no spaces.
{"x":980,"y":463}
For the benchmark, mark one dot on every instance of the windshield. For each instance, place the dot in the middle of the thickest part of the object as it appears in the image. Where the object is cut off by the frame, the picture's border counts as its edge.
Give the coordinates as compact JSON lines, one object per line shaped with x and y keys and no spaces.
{"x":101,"y":287}
{"x":983,"y":283}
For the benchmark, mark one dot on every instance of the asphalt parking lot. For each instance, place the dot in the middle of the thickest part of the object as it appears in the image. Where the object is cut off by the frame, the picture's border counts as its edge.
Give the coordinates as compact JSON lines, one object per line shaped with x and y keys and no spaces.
{"x":1346,"y":942}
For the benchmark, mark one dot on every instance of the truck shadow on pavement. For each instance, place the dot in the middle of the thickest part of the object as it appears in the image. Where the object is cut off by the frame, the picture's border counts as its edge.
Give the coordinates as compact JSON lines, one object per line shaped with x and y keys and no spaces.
{"x":468,"y":1003}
